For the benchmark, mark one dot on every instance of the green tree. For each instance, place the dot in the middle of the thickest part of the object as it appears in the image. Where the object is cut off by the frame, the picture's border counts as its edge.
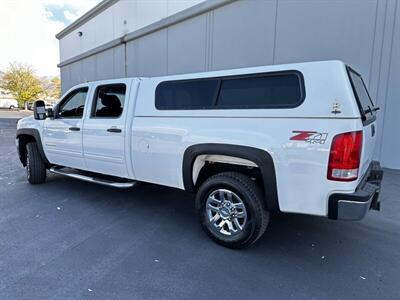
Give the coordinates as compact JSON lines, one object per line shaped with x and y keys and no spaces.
{"x":21,"y":81}
{"x":51,"y":87}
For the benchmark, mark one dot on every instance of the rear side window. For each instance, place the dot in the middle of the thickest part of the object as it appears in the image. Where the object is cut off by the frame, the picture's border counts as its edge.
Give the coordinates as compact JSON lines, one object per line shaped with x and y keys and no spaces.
{"x":367,"y":107}
{"x":191,"y":94}
{"x":279,"y":91}
{"x":109,"y":101}
{"x":266,"y":90}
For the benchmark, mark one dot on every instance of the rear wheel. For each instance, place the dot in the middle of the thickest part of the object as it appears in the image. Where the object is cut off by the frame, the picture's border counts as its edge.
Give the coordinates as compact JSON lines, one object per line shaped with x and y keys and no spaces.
{"x":12,"y":107}
{"x":231,"y":210}
{"x":35,"y":166}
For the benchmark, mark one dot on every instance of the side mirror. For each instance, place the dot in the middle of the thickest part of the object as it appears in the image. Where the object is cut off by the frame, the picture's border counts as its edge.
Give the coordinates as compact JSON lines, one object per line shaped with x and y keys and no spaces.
{"x":39,"y":110}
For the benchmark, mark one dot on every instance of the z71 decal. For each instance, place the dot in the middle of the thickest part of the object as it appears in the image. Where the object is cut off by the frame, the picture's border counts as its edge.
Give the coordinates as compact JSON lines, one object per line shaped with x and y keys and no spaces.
{"x":312,"y":137}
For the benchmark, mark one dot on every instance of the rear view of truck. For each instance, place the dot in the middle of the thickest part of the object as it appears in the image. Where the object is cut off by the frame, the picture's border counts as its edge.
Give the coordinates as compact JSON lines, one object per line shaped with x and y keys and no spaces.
{"x":351,"y":158}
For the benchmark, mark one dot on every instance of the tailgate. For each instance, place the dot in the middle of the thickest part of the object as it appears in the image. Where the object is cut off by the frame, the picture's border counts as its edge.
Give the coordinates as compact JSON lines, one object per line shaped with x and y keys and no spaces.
{"x":368,"y":115}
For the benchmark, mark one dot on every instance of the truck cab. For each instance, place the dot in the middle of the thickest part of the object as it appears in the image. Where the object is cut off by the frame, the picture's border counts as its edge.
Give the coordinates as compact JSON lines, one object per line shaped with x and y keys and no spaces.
{"x":296,"y":138}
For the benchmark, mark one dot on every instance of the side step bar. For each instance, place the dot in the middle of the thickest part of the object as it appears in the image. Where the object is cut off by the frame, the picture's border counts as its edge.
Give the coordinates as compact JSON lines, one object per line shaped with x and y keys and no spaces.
{"x":102,"y":181}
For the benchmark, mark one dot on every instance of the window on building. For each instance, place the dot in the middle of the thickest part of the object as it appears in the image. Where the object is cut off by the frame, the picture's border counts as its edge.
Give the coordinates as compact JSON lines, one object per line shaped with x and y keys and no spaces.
{"x":109,"y":101}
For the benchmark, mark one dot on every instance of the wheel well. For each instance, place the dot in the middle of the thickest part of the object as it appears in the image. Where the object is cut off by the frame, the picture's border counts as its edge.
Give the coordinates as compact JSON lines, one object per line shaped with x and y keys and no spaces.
{"x":22,"y":141}
{"x":212,"y":168}
{"x":202,"y":160}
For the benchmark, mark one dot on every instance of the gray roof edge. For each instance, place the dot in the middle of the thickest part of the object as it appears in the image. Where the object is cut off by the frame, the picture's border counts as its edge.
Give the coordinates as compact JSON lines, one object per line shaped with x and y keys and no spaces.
{"x":104,"y":47}
{"x":99,"y":8}
{"x":183,"y":15}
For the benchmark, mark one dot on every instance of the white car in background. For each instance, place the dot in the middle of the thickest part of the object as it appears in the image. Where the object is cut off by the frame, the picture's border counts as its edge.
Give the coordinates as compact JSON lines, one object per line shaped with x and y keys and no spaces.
{"x":8,"y":103}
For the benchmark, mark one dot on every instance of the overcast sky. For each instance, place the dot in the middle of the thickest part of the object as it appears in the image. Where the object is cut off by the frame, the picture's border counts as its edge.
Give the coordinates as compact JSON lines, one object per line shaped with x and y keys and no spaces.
{"x":28,"y":29}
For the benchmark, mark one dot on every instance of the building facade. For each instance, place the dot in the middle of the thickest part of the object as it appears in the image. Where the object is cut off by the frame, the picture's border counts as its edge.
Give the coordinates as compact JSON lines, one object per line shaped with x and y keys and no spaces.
{"x":129,"y":38}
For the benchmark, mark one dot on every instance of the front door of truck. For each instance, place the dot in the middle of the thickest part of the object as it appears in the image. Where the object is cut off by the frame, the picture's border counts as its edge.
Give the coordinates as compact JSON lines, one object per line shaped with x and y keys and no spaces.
{"x":62,"y":135}
{"x":105,"y":129}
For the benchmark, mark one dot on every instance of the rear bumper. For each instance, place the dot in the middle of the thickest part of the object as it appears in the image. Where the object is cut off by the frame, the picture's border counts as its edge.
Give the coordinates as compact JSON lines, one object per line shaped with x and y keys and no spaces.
{"x":354,"y":206}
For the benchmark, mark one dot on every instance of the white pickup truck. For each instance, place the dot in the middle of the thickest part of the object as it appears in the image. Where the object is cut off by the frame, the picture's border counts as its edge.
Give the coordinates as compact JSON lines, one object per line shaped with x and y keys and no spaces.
{"x":295,"y":138}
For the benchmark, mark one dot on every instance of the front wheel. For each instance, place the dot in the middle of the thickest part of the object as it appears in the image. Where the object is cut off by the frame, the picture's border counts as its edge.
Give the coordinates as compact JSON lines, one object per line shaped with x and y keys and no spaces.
{"x":35,"y":166}
{"x":232,"y":210}
{"x":12,"y":107}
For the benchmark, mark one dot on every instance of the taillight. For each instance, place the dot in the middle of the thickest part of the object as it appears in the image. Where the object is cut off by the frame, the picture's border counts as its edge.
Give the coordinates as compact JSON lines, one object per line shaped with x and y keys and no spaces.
{"x":345,"y":156}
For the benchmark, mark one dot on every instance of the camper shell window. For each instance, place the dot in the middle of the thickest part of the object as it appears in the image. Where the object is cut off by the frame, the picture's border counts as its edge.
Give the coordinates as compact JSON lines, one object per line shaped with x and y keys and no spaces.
{"x":255,"y":91}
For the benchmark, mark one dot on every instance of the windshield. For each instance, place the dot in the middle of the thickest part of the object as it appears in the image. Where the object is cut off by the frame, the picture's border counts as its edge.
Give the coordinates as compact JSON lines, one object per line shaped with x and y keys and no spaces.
{"x":367,"y":107}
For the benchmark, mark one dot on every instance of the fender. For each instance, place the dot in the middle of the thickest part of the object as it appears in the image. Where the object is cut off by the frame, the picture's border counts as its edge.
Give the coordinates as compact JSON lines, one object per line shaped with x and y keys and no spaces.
{"x":260,"y":157}
{"x":36,"y":136}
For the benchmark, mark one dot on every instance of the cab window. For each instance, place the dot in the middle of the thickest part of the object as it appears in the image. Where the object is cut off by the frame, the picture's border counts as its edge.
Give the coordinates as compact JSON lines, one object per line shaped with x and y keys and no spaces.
{"x":109,"y":101}
{"x":74,"y":104}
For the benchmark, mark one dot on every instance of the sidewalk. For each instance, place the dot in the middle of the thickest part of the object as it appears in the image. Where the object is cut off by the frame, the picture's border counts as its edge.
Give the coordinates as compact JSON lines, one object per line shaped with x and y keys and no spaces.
{"x":14,"y":114}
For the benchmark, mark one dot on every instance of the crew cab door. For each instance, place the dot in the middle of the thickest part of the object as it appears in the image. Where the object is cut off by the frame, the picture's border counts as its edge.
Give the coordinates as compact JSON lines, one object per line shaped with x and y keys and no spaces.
{"x":105,"y":128}
{"x":62,"y":135}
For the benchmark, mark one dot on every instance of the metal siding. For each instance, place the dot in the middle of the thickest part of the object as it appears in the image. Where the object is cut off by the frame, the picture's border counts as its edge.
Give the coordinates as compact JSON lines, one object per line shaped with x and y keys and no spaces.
{"x":188,"y":54}
{"x":124,"y":16}
{"x":76,"y":74}
{"x":322,"y":30}
{"x":150,"y":11}
{"x":105,"y":62}
{"x":119,"y":62}
{"x":89,"y":69}
{"x":390,"y":146}
{"x":364,"y":34}
{"x":151,"y":54}
{"x":65,"y":79}
{"x":131,"y":58}
{"x":242,"y":34}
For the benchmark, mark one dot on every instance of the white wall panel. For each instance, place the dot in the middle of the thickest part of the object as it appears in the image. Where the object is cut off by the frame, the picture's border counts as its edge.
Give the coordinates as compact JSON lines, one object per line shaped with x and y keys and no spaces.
{"x":150,"y":11}
{"x":131,"y":59}
{"x":174,"y":6}
{"x":110,"y":24}
{"x":105,"y":65}
{"x":124,"y":17}
{"x":119,"y":62}
{"x":242,"y":34}
{"x":151,"y":54}
{"x":187,"y":55}
{"x":89,"y":69}
{"x":320,"y":30}
{"x":76,"y":73}
{"x":390,"y":145}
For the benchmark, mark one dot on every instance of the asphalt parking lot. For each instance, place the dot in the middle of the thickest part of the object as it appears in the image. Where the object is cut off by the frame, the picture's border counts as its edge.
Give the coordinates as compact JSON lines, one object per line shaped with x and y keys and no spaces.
{"x":69,"y":239}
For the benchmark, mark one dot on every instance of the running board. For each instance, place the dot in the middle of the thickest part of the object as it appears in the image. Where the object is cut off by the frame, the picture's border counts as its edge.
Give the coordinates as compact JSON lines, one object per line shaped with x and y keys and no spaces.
{"x":116,"y":184}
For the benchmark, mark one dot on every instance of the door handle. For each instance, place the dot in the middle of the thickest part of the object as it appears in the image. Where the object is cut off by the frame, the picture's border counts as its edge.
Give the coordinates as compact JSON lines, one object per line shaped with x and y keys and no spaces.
{"x":113,"y":129}
{"x":74,"y":128}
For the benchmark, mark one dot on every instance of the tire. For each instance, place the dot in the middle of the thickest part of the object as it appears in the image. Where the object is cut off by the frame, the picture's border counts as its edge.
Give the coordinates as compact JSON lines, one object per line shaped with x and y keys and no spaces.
{"x":35,"y":166}
{"x":12,"y":107}
{"x":213,"y":198}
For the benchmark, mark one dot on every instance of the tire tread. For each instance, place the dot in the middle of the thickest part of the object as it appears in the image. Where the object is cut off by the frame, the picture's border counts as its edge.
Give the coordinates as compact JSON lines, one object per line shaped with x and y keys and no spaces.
{"x":37,"y":167}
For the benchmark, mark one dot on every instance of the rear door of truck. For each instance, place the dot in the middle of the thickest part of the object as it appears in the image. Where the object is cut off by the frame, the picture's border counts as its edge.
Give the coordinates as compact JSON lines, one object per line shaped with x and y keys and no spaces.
{"x":368,"y":115}
{"x":104,"y":129}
